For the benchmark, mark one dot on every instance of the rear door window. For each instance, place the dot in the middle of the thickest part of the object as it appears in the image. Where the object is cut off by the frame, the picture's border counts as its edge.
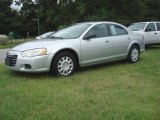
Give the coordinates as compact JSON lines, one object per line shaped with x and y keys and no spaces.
{"x":117,"y":30}
{"x":158,"y":26}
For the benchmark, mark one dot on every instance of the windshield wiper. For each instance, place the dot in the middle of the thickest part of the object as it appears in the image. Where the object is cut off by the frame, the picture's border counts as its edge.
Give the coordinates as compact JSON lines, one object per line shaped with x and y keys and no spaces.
{"x":54,"y":37}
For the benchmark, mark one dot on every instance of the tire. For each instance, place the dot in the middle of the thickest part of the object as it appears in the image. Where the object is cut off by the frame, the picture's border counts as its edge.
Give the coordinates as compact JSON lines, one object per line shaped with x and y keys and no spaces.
{"x":64,"y":64}
{"x":134,"y":53}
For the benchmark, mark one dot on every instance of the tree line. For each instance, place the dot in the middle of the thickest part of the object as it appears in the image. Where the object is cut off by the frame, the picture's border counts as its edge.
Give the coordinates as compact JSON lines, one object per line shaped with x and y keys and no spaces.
{"x":55,"y":14}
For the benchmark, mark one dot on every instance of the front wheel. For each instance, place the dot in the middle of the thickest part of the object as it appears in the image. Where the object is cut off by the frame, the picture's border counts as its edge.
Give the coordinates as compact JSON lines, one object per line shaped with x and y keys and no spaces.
{"x":63,"y":64}
{"x":133,"y":55}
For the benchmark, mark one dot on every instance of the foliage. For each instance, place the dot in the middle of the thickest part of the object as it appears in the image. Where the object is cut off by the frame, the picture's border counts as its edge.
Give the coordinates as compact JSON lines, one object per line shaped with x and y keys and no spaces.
{"x":10,"y":20}
{"x":55,"y":13}
{"x":3,"y":39}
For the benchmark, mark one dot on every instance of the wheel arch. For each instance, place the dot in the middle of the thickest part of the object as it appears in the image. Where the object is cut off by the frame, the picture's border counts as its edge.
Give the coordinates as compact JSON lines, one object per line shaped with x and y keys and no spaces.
{"x":70,"y":51}
{"x":132,"y":44}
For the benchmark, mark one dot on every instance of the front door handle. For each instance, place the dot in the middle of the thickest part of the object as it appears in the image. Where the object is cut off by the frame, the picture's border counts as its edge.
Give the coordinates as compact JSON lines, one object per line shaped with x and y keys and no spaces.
{"x":106,"y":41}
{"x":155,"y":33}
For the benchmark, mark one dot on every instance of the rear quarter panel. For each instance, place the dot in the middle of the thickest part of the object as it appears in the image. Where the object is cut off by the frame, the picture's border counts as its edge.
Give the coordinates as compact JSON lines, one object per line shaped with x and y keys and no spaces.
{"x":137,"y":39}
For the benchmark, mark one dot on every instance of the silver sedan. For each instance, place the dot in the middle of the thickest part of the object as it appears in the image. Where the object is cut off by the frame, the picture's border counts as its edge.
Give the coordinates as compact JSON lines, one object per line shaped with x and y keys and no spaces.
{"x":79,"y":45}
{"x":150,"y":31}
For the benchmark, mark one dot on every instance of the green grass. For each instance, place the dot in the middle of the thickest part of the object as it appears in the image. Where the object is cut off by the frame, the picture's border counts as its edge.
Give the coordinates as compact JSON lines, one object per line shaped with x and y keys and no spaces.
{"x":114,"y":91}
{"x":9,"y":45}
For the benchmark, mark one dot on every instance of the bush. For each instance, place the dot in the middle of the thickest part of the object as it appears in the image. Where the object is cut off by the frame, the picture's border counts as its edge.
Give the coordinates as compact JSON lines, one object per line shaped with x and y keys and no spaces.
{"x":3,"y":39}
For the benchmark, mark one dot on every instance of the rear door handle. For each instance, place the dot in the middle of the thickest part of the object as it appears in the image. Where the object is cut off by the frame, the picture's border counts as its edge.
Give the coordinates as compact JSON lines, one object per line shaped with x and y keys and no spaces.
{"x":106,"y":41}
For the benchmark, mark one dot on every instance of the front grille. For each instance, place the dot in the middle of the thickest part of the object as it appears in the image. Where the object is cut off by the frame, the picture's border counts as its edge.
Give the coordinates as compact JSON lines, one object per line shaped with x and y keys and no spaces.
{"x":13,"y":59}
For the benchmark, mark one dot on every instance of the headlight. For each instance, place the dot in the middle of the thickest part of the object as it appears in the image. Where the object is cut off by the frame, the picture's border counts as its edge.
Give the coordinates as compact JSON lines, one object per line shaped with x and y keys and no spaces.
{"x":34,"y":52}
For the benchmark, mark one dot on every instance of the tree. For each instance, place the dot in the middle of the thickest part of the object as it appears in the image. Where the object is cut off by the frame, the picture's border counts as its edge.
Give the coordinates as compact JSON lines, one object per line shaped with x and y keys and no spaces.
{"x":153,"y":10}
{"x":8,"y":18}
{"x":55,"y":13}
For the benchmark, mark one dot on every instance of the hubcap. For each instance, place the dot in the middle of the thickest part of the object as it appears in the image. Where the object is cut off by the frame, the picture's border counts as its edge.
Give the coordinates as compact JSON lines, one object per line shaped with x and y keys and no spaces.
{"x":134,"y":54}
{"x":65,"y":65}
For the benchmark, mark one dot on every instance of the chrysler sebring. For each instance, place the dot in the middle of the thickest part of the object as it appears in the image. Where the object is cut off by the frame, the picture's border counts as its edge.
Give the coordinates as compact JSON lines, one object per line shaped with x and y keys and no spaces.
{"x":78,"y":45}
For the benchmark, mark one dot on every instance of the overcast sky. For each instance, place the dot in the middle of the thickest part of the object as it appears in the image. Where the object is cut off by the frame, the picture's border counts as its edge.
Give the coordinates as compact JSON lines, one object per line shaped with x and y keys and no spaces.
{"x":16,"y":7}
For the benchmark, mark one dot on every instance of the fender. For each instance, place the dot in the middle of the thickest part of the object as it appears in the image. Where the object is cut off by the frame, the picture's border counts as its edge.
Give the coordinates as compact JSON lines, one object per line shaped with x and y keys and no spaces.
{"x":58,"y":48}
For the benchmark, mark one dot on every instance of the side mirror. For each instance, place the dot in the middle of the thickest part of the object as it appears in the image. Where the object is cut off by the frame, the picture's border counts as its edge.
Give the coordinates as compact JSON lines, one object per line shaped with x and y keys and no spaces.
{"x":148,"y":30}
{"x":87,"y":37}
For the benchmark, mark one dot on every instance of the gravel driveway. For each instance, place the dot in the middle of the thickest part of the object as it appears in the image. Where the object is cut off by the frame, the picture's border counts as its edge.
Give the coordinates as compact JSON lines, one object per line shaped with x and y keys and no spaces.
{"x":3,"y":54}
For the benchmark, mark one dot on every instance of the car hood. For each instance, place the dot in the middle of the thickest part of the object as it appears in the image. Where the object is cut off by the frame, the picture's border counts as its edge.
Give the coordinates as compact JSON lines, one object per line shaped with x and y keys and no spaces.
{"x":36,"y":44}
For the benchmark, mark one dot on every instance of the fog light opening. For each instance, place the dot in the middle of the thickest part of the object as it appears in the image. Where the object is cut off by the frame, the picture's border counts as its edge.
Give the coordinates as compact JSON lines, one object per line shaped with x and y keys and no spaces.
{"x":27,"y":66}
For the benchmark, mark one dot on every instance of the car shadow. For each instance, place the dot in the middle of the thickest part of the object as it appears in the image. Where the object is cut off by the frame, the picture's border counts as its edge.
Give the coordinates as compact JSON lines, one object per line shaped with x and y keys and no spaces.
{"x":150,"y":47}
{"x":102,"y":66}
{"x":31,"y":76}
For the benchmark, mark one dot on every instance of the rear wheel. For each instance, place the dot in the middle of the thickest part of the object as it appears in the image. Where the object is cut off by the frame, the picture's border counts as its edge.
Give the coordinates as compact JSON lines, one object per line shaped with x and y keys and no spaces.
{"x":133,"y":55}
{"x":63,"y":64}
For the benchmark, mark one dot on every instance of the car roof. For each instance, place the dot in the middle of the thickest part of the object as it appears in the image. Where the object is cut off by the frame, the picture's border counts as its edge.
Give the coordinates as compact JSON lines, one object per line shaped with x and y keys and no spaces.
{"x":99,"y":22}
{"x":148,"y":22}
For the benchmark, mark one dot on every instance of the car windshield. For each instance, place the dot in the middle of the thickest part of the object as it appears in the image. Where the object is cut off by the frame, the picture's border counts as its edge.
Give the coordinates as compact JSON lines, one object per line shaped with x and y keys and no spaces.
{"x":137,"y":26}
{"x":71,"y":32}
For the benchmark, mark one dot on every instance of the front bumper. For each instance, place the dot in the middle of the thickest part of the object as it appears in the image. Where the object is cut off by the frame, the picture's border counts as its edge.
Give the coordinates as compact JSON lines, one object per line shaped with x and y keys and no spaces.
{"x":33,"y":64}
